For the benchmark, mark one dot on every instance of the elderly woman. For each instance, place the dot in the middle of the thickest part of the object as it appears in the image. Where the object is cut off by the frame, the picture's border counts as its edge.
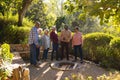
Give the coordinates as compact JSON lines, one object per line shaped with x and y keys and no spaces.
{"x":77,"y":43}
{"x":39,"y":30}
{"x":45,"y":44}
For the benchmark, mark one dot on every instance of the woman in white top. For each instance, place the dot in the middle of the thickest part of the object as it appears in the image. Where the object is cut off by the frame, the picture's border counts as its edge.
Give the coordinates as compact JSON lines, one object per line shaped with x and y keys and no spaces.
{"x":45,"y":43}
{"x":39,"y":30}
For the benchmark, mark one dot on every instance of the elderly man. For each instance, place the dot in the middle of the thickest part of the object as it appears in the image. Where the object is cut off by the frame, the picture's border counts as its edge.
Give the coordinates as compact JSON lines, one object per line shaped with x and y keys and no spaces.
{"x":54,"y":40}
{"x":34,"y":44}
{"x":65,"y":38}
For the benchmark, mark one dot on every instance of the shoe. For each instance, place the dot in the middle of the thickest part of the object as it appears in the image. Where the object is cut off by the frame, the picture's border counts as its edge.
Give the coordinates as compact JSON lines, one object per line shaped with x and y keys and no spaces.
{"x":37,"y":66}
{"x":51,"y":59}
{"x":81,"y":62}
{"x":39,"y":62}
{"x":74,"y":61}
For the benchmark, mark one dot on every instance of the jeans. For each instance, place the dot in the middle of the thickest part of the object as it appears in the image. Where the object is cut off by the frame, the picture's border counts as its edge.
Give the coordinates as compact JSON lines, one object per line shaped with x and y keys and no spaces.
{"x":33,"y":53}
{"x":45,"y":53}
{"x":55,"y":48}
{"x":37,"y":54}
{"x":65,"y":45}
{"x":78,"y":48}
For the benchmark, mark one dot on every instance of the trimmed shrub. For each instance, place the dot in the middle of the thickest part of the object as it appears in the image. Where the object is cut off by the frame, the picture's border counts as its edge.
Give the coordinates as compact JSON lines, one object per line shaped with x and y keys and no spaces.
{"x":11,"y":33}
{"x":115,"y":43}
{"x":14,"y":34}
{"x":103,"y":49}
{"x":93,"y":43}
{"x":115,"y":46}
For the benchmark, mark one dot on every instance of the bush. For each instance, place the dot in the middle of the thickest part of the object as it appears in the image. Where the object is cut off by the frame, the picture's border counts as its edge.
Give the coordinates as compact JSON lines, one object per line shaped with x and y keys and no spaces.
{"x":93,"y":43}
{"x":6,"y":59}
{"x":103,"y":49}
{"x":11,"y":33}
{"x":7,"y":22}
{"x":115,"y":46}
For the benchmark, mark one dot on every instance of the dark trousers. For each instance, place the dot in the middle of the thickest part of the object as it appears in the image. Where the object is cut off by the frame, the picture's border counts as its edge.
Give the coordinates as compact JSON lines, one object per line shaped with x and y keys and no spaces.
{"x":65,"y":46}
{"x":37,"y":54}
{"x":78,"y":49}
{"x":45,"y":53}
{"x":33,"y":53}
{"x":55,"y":48}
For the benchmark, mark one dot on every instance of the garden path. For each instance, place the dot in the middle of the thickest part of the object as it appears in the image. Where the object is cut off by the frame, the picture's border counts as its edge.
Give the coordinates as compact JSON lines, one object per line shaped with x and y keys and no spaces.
{"x":45,"y":72}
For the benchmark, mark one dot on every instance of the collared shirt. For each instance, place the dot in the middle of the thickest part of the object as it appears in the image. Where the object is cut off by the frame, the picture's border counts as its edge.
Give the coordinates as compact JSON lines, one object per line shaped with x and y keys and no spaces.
{"x":33,"y":36}
{"x":65,"y":36}
{"x":54,"y":37}
{"x":77,"y":39}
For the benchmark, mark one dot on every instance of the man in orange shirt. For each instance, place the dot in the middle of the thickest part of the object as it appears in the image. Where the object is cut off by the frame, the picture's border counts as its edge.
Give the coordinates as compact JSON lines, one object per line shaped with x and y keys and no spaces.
{"x":65,"y":38}
{"x":77,"y":43}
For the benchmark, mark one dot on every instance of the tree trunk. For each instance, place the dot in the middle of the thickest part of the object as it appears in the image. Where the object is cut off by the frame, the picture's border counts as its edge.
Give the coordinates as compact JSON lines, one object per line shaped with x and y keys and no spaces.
{"x":22,"y":11}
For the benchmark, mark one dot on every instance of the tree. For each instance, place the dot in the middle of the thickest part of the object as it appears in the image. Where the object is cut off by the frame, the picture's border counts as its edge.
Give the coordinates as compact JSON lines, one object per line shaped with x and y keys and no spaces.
{"x":22,"y":10}
{"x":105,"y":9}
{"x":37,"y":12}
{"x":8,"y":7}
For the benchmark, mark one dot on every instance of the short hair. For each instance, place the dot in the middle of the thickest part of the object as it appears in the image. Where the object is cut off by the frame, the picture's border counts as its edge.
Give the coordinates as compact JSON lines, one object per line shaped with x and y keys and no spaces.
{"x":39,"y":29}
{"x":54,"y":27}
{"x":77,"y":28}
{"x":66,"y":27}
{"x":46,"y":30}
{"x":37,"y":22}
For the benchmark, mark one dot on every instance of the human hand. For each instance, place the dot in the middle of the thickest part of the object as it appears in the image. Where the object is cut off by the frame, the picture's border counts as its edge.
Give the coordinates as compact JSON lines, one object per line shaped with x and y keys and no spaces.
{"x":37,"y":46}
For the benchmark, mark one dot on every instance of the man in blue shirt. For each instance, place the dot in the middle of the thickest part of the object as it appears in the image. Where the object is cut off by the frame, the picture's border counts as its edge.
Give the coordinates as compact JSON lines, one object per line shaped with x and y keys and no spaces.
{"x":34,"y":44}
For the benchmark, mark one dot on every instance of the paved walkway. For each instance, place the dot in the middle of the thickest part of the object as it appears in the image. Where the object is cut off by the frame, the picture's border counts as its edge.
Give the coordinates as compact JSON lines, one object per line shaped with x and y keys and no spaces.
{"x":46,"y":73}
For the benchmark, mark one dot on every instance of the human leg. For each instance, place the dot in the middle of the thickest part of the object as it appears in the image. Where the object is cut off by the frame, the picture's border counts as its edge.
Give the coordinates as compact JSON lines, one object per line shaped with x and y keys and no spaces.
{"x":80,"y":52}
{"x":33,"y":54}
{"x":46,"y":53}
{"x":75,"y":52}
{"x":37,"y":53}
{"x":62,"y":50}
{"x":67,"y":51}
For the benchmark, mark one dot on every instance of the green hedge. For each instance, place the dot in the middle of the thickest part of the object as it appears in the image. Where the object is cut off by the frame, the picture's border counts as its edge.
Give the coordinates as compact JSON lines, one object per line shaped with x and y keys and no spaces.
{"x":93,"y":42}
{"x":13,"y":34}
{"x":102,"y":48}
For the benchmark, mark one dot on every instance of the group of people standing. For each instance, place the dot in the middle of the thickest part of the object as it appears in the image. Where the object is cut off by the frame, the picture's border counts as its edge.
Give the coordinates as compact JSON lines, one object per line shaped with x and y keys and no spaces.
{"x":37,"y":40}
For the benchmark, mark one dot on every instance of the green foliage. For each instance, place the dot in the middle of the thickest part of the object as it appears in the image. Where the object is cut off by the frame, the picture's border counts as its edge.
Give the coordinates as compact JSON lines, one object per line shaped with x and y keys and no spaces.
{"x":112,"y":76}
{"x":92,"y":13}
{"x":8,"y":7}
{"x":11,"y":33}
{"x":97,"y":39}
{"x":7,"y":22}
{"x":59,"y":22}
{"x":5,"y":53}
{"x":6,"y":57}
{"x":115,"y":43}
{"x":103,"y":49}
{"x":36,"y":12}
